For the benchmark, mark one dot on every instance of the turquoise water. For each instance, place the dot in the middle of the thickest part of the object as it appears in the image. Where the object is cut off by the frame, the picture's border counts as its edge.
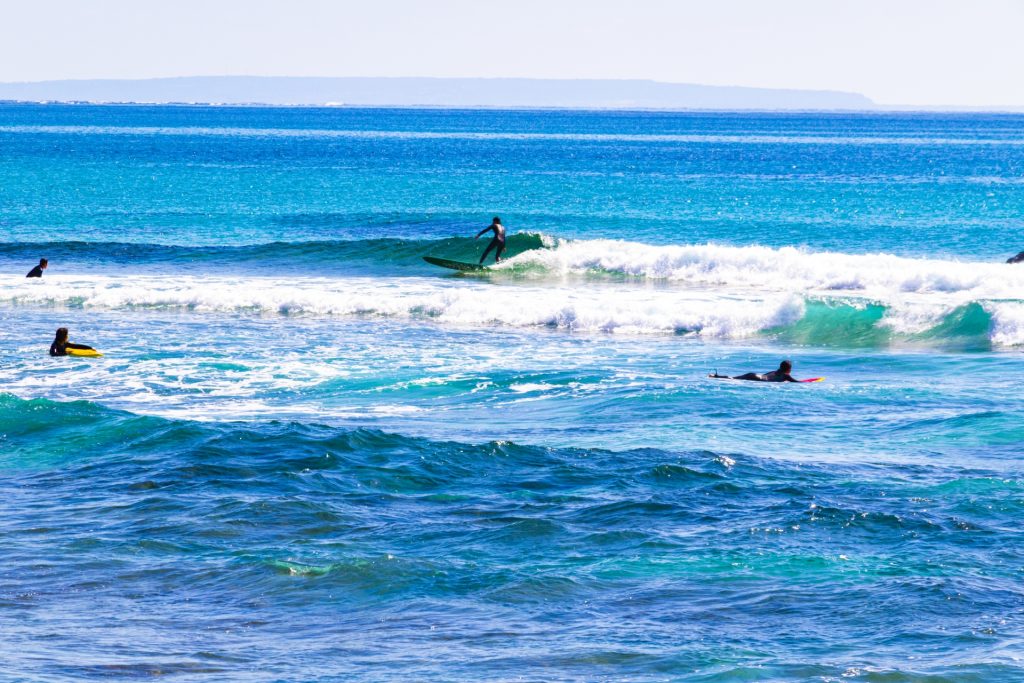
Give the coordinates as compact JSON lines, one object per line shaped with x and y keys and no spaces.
{"x":309,"y":455}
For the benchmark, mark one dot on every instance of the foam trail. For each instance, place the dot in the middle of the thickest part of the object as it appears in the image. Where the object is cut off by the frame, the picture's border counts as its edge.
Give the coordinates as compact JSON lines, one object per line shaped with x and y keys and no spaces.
{"x":634,"y":311}
{"x":785,"y":269}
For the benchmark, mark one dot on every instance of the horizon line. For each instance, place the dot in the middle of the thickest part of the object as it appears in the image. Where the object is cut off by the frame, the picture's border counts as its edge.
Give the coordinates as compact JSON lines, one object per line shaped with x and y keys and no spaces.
{"x":867,"y":104}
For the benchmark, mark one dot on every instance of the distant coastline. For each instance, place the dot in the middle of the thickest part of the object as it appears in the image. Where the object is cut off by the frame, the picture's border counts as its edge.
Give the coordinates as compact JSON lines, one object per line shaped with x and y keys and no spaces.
{"x":431,"y":92}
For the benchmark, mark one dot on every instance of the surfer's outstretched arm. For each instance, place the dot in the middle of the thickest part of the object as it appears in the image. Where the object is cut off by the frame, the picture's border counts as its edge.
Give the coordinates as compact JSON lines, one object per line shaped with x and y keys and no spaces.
{"x":487,"y":229}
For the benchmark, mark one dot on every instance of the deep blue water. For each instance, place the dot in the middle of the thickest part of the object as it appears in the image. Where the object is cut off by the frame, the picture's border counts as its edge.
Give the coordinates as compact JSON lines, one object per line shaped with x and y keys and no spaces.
{"x":308,"y":455}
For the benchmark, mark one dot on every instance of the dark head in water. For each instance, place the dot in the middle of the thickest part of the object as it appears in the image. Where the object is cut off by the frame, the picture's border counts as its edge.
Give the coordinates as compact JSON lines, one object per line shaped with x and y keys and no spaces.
{"x":786,"y":367}
{"x":43,"y":263}
{"x":59,"y":347}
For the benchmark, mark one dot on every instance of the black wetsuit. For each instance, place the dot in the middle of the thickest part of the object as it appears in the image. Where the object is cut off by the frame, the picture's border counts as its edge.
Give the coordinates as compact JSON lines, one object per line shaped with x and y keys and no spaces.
{"x":62,"y":349}
{"x":773,"y":376}
{"x":1016,"y":259}
{"x":35,"y":272}
{"x":497,"y":242}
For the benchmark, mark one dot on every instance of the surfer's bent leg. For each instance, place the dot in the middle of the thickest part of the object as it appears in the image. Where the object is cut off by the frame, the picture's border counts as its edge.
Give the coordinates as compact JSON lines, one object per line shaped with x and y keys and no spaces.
{"x":499,"y":251}
{"x":487,"y":251}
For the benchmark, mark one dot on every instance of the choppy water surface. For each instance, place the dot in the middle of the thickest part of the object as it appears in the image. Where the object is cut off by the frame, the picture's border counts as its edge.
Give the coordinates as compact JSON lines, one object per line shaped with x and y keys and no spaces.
{"x":309,"y":455}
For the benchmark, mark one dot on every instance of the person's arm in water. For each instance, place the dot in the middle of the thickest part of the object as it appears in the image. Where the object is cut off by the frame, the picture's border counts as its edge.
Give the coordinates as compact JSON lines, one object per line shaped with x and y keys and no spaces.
{"x":62,"y":350}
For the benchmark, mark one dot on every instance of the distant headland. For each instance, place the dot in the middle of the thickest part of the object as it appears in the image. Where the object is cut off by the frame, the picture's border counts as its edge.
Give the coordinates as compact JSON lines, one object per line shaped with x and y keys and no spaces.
{"x":432,"y":92}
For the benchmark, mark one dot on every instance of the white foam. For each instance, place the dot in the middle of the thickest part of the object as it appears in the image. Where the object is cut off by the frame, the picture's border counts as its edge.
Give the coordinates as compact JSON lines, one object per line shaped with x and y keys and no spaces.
{"x":787,"y":269}
{"x":706,"y":290}
{"x":1007,"y":323}
{"x":593,"y":309}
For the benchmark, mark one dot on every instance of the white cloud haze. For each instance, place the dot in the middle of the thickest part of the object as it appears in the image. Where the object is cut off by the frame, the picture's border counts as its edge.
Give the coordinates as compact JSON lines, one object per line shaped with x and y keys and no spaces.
{"x":895,"y":51}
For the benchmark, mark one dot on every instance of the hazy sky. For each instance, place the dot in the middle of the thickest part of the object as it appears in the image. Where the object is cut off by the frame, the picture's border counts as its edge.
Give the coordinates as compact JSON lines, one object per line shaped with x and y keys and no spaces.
{"x":894,"y":51}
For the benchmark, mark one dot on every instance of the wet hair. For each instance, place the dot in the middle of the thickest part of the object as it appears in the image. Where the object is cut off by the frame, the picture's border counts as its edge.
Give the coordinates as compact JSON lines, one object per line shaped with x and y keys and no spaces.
{"x":43,"y":262}
{"x":62,"y":335}
{"x":495,"y":220}
{"x":786,"y":366}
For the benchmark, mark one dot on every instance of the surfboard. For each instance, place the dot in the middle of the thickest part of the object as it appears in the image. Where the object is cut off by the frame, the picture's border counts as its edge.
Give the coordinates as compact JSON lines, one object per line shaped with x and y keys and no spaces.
{"x":84,"y":353}
{"x":802,"y":381}
{"x":454,"y":265}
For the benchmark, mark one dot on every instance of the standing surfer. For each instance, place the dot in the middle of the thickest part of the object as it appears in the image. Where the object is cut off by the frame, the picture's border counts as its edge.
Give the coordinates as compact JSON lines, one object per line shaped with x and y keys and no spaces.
{"x":497,"y":242}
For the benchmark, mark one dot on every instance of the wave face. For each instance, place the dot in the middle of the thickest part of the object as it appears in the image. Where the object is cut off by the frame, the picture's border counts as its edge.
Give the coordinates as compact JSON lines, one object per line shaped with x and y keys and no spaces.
{"x":278,"y":537}
{"x":305,"y":257}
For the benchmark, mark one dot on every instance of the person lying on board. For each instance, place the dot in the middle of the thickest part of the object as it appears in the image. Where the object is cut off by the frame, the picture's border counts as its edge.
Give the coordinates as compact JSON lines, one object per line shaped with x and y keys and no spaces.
{"x":780,"y":375}
{"x":497,"y":242}
{"x":1016,"y":259}
{"x":38,"y":270}
{"x":60,"y":344}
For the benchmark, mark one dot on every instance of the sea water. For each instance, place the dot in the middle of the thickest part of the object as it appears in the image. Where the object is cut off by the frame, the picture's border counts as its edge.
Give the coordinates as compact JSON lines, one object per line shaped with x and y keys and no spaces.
{"x":308,"y":455}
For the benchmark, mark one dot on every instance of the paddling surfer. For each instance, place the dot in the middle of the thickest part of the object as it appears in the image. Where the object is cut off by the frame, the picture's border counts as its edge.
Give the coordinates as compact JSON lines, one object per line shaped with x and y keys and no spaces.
{"x":780,"y":375}
{"x":38,"y":270}
{"x":60,"y":344}
{"x":497,"y":242}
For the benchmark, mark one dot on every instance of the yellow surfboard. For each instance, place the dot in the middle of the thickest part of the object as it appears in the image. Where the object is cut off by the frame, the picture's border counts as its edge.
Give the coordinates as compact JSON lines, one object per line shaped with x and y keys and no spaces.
{"x":84,"y":353}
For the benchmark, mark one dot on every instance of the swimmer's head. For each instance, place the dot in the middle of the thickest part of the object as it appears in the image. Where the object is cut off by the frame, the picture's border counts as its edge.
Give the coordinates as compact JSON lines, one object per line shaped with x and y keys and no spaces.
{"x":786,"y":367}
{"x":496,"y":220}
{"x":62,"y":335}
{"x":43,"y":263}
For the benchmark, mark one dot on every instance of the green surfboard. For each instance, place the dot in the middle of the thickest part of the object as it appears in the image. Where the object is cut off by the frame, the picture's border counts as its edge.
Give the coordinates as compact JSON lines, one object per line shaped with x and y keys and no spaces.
{"x":454,"y":265}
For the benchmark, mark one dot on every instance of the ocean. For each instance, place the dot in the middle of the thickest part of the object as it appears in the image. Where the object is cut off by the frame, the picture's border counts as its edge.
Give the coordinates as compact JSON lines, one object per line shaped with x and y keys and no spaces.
{"x":309,"y":455}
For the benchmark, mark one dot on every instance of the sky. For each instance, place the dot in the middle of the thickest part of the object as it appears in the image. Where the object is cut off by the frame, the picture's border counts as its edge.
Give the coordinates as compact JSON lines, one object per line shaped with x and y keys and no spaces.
{"x":911,"y":52}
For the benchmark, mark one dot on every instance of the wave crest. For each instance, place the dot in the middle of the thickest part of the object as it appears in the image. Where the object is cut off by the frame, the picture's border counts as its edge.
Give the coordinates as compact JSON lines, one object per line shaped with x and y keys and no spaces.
{"x":783,"y":269}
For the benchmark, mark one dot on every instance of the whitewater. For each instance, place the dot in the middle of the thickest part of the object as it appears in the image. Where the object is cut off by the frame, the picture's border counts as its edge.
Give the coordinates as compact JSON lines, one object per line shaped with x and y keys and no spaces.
{"x":306,"y":454}
{"x":590,"y":285}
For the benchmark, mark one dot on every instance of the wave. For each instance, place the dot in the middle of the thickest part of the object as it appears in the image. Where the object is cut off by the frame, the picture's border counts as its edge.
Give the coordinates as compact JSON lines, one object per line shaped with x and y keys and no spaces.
{"x":310,"y":256}
{"x":587,"y":307}
{"x":783,"y":269}
{"x":886,"y":277}
{"x":707,"y":290}
{"x":43,"y":432}
{"x":631,"y":310}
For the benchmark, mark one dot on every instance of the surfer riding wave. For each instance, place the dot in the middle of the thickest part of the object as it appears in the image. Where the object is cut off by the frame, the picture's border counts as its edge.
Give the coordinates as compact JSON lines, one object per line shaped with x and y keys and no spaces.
{"x":497,"y":242}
